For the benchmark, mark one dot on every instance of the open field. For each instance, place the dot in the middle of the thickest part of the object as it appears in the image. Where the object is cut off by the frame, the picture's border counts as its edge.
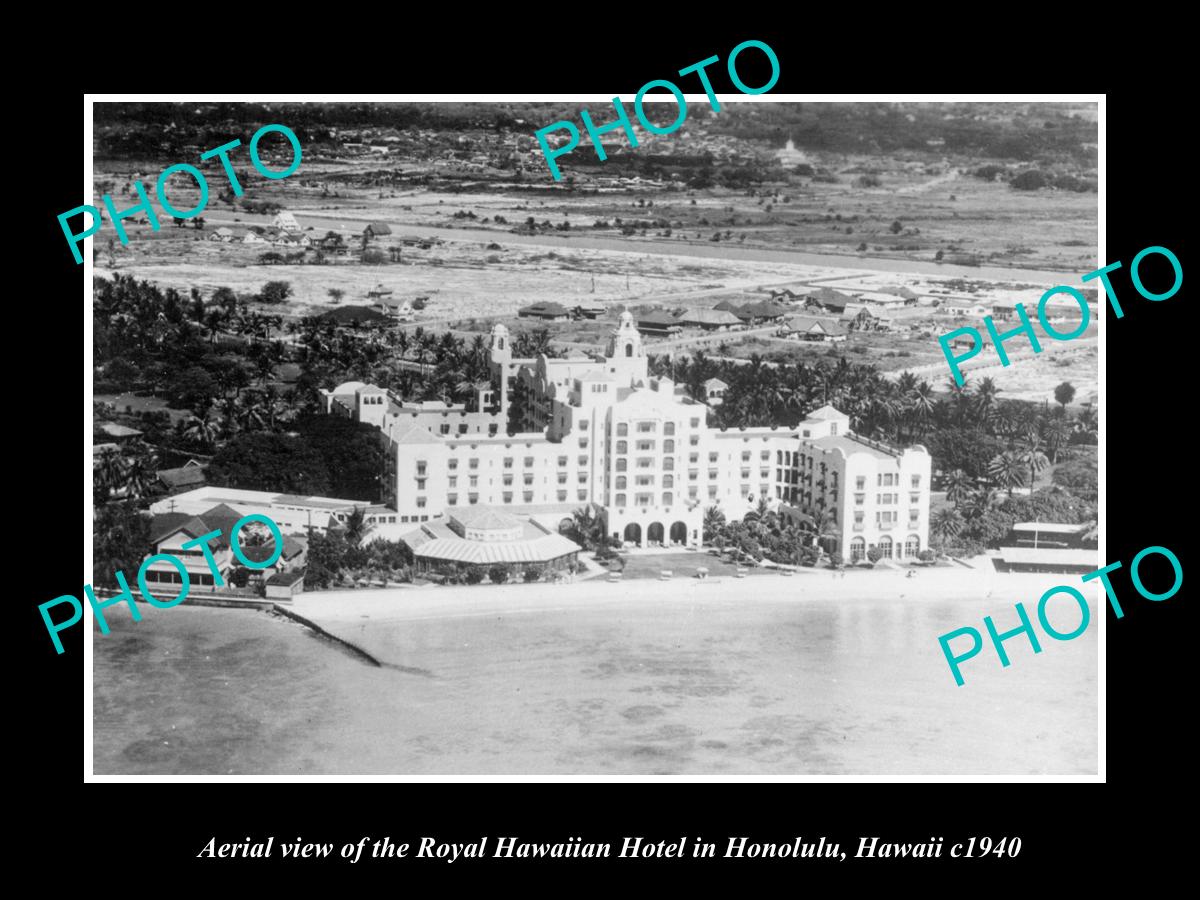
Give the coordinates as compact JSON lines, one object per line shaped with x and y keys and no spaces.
{"x":770,"y":675}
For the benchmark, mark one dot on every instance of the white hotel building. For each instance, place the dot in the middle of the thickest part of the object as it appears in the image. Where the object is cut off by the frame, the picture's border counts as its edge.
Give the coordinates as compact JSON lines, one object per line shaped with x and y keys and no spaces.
{"x":602,"y":431}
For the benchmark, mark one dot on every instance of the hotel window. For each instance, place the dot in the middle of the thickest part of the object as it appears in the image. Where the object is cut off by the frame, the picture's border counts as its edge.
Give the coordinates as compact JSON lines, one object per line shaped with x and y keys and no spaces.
{"x":472,"y":498}
{"x":582,"y":495}
{"x":405,"y":518}
{"x":764,"y":489}
{"x":644,"y":499}
{"x":621,"y":464}
{"x":528,"y":480}
{"x":860,"y":482}
{"x":622,"y":429}
{"x":493,"y":429}
{"x":916,"y":481}
{"x":508,"y":461}
{"x":645,"y":427}
{"x":453,"y":464}
{"x":562,"y":477}
{"x":695,"y":423}
{"x":745,"y":473}
{"x":645,"y":462}
{"x":766,"y":456}
{"x":453,"y":479}
{"x":693,"y":474}
{"x":669,"y":464}
{"x":914,"y":498}
{"x":445,"y":429}
{"x":712,"y":492}
{"x":420,"y":484}
{"x":694,"y":440}
{"x":745,"y":490}
{"x":668,"y":446}
{"x":914,"y":516}
{"x":452,"y":499}
{"x":645,"y":445}
{"x":620,"y":501}
{"x":764,"y":473}
{"x":622,"y":446}
{"x":528,"y":495}
{"x":779,"y":457}
{"x":669,"y":428}
{"x":885,"y":518}
{"x":508,"y":480}
{"x":529,"y":462}
{"x":622,"y":482}
{"x":562,"y":462}
{"x":473,"y":462}
{"x":583,"y":477}
{"x":859,"y":498}
{"x":668,"y":499}
{"x":583,"y":442}
{"x":643,"y":480}
{"x":583,"y":424}
{"x":693,"y":458}
{"x":745,"y":456}
{"x":420,"y":503}
{"x":668,"y":481}
{"x":713,"y":457}
{"x":582,"y":460}
{"x":712,"y":474}
{"x":858,"y":518}
{"x":462,"y":429}
{"x":693,"y":491}
{"x":474,"y":481}
{"x":420,"y":468}
{"x":562,"y":496}
{"x":508,"y":496}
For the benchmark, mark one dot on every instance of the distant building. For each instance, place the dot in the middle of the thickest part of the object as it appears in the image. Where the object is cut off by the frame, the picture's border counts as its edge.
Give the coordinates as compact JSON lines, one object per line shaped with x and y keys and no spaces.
{"x":286,"y":221}
{"x":658,"y":324}
{"x":714,"y":391}
{"x":825,"y":298}
{"x":401,"y":310}
{"x":807,"y":328}
{"x":962,"y":308}
{"x":185,"y":477}
{"x":113,"y":432}
{"x":789,"y":155}
{"x":294,"y":514}
{"x":710,"y":319}
{"x":863,"y":318}
{"x":377,"y":229}
{"x":761,"y":311}
{"x":550,"y":311}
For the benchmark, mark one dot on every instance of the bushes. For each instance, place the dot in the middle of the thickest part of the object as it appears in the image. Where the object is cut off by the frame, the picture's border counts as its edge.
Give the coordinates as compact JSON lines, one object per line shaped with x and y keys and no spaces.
{"x":498,"y":574}
{"x":532,"y":575}
{"x":473,"y":576}
{"x":927,"y":556}
{"x":874,"y":554}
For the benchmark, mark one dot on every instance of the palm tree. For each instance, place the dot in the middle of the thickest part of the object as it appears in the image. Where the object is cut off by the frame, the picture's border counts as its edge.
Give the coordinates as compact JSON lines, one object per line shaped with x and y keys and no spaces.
{"x":356,"y":527}
{"x":1058,"y":435}
{"x":945,"y":524}
{"x":139,"y":475}
{"x":201,"y":429}
{"x":1031,"y":455}
{"x":588,"y":527}
{"x":714,"y":525}
{"x":110,"y":474}
{"x":1007,"y":470}
{"x":958,"y":485}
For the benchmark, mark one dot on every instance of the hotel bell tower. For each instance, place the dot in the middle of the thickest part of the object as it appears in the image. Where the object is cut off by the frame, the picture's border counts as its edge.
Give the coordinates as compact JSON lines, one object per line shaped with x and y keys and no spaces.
{"x":624,"y":359}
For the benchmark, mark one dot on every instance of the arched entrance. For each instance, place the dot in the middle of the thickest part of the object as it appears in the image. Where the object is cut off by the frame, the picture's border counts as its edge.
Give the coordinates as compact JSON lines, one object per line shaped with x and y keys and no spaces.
{"x":655,"y":533}
{"x":633,"y":533}
{"x":912,"y":547}
{"x":679,"y":533}
{"x":885,"y":547}
{"x":858,"y":549}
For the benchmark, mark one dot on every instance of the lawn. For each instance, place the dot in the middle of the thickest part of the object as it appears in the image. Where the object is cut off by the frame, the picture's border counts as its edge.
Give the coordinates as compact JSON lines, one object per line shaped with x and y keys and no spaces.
{"x":683,"y":565}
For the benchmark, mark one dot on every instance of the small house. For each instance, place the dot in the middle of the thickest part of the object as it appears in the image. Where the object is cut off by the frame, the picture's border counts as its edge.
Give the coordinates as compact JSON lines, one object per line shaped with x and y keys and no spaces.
{"x":376,"y":230}
{"x":286,"y":221}
{"x":808,"y":328}
{"x":549,"y":311}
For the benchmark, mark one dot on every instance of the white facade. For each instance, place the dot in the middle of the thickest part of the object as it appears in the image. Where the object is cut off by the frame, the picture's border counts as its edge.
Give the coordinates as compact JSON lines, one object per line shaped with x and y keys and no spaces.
{"x":602,"y":431}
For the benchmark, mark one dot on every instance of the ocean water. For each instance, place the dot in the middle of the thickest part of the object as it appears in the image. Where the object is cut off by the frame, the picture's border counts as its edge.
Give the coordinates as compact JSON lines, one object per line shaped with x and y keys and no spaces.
{"x":719,"y":686}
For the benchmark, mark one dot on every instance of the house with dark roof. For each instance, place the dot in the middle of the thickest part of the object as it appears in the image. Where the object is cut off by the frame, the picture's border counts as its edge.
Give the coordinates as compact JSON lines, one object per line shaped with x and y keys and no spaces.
{"x":761,"y":311}
{"x":808,"y":328}
{"x":710,"y":319}
{"x":183,"y":478}
{"x":168,"y":534}
{"x":377,"y":229}
{"x":658,"y":324}
{"x":111,"y":431}
{"x":550,"y":311}
{"x":827,"y":298}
